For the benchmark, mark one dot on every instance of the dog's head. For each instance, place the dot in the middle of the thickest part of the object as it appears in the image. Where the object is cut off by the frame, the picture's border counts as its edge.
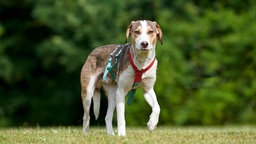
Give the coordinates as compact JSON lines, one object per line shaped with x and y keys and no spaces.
{"x":144,"y":34}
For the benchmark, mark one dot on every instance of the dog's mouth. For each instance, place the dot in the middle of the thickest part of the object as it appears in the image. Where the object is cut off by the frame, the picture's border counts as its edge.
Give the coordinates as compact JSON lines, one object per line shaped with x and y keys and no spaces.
{"x":145,"y":49}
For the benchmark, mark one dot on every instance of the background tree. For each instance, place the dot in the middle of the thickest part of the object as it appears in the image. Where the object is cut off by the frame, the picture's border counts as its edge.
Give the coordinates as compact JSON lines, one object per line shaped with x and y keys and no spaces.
{"x":206,"y":64}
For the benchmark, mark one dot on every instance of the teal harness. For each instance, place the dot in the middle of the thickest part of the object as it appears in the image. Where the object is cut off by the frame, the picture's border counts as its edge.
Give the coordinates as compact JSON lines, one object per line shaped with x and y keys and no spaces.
{"x":110,"y":66}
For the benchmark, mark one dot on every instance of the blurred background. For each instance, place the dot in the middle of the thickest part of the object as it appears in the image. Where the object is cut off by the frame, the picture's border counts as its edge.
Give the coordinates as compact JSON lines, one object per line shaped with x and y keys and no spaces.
{"x":207,"y":63}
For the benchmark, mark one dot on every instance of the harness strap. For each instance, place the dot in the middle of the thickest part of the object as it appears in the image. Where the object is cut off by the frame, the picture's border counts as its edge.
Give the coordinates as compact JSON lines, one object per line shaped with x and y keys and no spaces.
{"x":110,"y":66}
{"x":138,"y":75}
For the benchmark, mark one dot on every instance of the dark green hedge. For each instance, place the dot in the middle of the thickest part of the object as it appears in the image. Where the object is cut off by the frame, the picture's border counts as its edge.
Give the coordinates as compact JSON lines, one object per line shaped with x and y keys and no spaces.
{"x":206,"y":73}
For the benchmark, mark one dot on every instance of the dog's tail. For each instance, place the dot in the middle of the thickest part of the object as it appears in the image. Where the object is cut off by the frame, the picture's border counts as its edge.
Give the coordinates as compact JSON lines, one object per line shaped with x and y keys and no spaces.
{"x":96,"y":103}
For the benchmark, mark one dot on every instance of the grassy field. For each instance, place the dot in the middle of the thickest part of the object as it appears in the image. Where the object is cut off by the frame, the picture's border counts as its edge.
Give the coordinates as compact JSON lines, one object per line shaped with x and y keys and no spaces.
{"x":73,"y":135}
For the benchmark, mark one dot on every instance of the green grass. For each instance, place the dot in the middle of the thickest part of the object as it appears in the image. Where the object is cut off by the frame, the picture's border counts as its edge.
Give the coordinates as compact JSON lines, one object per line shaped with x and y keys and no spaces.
{"x":69,"y":135}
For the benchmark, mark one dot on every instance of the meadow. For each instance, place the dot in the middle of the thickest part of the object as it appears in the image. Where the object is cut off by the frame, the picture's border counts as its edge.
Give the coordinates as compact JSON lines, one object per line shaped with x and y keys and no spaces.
{"x":163,"y":134}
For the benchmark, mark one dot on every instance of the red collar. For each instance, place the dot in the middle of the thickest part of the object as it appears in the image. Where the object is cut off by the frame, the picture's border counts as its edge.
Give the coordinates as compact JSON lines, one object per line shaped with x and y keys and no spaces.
{"x":138,"y":73}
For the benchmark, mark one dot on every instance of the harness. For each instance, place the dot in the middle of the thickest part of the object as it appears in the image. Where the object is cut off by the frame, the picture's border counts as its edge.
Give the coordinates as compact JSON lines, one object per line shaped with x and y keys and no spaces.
{"x":138,"y":73}
{"x":110,"y":66}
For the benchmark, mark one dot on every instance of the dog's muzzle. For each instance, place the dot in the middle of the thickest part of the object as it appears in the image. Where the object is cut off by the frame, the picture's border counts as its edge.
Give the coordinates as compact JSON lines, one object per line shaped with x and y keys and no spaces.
{"x":144,"y":44}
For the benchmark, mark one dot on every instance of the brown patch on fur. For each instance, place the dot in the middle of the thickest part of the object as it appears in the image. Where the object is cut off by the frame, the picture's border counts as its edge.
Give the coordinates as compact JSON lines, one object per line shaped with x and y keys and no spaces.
{"x":95,"y":65}
{"x":131,"y":28}
{"x":124,"y":59}
{"x":155,"y":27}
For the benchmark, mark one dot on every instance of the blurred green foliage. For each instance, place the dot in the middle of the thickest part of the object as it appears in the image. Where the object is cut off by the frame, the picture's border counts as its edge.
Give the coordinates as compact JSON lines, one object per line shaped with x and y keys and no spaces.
{"x":206,"y":65}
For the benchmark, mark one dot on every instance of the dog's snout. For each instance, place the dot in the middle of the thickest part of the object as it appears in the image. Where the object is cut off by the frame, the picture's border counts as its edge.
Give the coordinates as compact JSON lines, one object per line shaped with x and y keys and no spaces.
{"x":144,"y":44}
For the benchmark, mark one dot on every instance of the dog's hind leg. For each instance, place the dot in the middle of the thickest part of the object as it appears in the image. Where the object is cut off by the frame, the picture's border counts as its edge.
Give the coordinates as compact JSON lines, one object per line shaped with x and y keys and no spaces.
{"x":111,"y":95}
{"x":87,"y":94}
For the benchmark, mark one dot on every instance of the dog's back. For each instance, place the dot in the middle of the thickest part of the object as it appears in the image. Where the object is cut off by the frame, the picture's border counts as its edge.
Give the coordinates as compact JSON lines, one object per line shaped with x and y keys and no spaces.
{"x":95,"y":63}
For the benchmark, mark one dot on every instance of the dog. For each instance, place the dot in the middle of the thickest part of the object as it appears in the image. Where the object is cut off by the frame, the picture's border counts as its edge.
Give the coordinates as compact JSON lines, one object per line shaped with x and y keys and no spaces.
{"x":130,"y":62}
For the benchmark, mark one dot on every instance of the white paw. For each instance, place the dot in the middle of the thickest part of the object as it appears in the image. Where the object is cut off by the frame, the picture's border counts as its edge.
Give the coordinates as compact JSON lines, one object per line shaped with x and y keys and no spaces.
{"x":153,"y":121}
{"x":122,"y":132}
{"x":111,"y":133}
{"x":151,"y":126}
{"x":86,"y":130}
{"x":121,"y":129}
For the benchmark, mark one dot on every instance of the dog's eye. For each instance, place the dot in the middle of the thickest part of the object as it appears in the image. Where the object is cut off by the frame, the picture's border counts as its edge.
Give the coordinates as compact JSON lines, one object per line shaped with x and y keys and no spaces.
{"x":137,"y":32}
{"x":150,"y":32}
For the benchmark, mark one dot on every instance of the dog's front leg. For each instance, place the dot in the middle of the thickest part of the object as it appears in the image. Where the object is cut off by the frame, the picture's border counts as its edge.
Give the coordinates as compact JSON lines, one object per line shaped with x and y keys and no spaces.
{"x":120,"y":109}
{"x":150,"y":97}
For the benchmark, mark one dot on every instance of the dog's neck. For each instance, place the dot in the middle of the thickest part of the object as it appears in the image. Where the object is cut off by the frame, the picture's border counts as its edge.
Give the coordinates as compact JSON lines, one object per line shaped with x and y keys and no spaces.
{"x":142,"y":59}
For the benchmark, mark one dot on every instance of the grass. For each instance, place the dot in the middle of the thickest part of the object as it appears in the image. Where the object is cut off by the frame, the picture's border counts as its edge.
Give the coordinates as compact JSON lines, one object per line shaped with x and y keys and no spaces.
{"x":73,"y":135}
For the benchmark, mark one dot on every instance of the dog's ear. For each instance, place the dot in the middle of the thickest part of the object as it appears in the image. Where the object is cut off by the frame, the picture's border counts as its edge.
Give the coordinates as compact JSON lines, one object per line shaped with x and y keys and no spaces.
{"x":159,"y":32}
{"x":129,"y":31}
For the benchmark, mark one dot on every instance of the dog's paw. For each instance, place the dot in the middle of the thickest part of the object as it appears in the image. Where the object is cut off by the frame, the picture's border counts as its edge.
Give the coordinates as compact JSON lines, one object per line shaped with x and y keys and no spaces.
{"x":153,"y":121}
{"x":86,"y":130}
{"x":111,"y":133}
{"x":121,"y":133}
{"x":151,"y":126}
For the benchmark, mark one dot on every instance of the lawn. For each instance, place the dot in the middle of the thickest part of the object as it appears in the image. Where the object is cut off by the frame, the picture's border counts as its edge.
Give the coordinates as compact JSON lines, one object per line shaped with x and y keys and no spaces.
{"x":69,"y":135}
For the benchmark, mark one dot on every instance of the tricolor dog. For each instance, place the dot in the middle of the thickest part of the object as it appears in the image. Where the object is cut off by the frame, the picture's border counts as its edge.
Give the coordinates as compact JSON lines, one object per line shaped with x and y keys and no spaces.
{"x":120,"y":69}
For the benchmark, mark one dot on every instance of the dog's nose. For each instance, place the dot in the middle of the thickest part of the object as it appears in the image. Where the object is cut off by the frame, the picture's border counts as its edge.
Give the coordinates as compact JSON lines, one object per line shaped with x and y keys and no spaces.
{"x":144,"y":44}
